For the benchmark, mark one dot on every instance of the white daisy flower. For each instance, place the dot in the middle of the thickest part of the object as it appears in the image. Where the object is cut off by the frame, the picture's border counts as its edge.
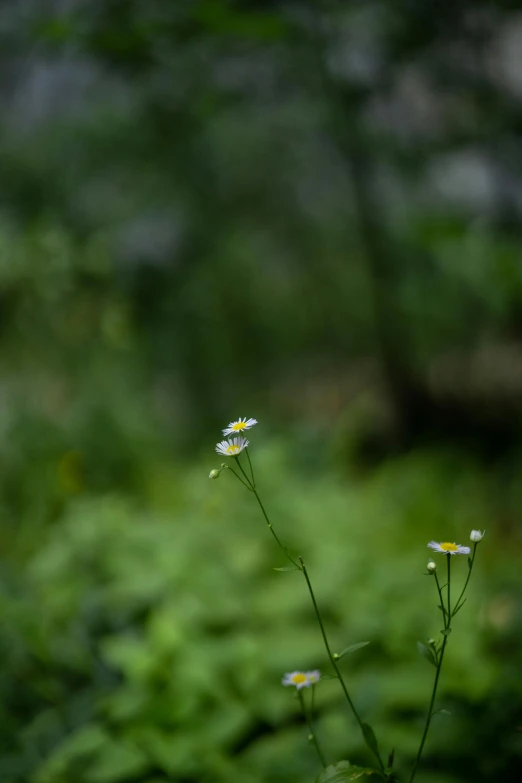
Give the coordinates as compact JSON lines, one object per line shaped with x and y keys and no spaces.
{"x":298,"y":679}
{"x":239,"y":426}
{"x":476,"y":535}
{"x":232,"y":447}
{"x":449,"y":549}
{"x":313,"y":676}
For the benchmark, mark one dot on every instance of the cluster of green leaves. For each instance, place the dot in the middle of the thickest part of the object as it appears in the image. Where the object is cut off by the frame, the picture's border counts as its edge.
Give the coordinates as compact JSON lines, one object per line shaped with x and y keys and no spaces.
{"x":145,"y":639}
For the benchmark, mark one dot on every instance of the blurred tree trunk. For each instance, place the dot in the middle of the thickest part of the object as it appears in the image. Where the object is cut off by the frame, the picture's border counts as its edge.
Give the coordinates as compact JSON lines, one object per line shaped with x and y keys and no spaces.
{"x":409,"y":399}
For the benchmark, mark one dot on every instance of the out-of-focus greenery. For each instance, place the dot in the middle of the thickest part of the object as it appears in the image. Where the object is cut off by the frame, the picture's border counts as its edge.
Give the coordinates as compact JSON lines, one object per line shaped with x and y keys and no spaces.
{"x":306,"y":212}
{"x":145,"y":638}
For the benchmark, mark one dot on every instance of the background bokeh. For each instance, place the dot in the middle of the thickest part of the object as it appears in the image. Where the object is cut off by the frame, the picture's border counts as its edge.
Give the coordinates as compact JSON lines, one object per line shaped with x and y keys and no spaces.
{"x":310,"y":213}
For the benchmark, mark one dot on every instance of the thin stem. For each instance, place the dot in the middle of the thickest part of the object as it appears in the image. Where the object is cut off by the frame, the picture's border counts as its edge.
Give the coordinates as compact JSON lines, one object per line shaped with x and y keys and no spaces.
{"x":436,"y":681}
{"x":312,"y":736}
{"x":470,"y":569}
{"x":240,"y":466}
{"x":248,"y":486}
{"x":270,"y":526}
{"x":301,"y":567}
{"x":333,"y":661}
{"x":430,"y":709}
{"x":448,"y":560}
{"x":251,"y":468}
{"x":440,"y":597}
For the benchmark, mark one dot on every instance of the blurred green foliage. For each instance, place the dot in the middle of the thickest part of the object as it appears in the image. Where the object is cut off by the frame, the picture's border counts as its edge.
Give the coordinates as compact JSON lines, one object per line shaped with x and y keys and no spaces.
{"x":304,"y":211}
{"x":145,"y":639}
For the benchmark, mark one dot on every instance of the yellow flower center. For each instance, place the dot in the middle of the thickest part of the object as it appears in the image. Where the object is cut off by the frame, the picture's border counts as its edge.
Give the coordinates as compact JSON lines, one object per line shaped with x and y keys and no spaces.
{"x":239,"y":425}
{"x":234,"y":449}
{"x":299,"y":678}
{"x":449,"y":547}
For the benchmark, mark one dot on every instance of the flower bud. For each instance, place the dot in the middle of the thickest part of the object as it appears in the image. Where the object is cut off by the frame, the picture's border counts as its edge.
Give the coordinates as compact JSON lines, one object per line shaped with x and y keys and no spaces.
{"x":431,"y":567}
{"x":214,"y":474}
{"x":476,"y":535}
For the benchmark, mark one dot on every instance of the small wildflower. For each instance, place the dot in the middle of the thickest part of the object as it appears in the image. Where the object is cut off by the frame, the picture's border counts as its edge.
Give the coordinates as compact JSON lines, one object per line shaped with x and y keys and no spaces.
{"x":232,"y":447}
{"x":449,"y":549}
{"x":298,"y":679}
{"x":431,"y":567}
{"x":476,"y":535}
{"x":214,"y":474}
{"x":313,"y":676}
{"x":239,"y":426}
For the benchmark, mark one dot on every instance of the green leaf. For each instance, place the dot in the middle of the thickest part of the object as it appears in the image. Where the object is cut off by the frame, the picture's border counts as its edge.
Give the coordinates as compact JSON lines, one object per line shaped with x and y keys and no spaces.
{"x":343,"y":772}
{"x":219,"y":19}
{"x":357,"y":772}
{"x":351,"y":648}
{"x":443,"y":712}
{"x":286,"y":568}
{"x":427,"y":653}
{"x":329,"y":677}
{"x":371,"y":739}
{"x":446,"y":631}
{"x":459,"y":607}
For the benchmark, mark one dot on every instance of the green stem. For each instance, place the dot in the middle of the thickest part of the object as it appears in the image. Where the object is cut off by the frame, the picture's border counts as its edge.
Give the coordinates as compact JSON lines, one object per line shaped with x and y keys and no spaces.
{"x":430,"y":709}
{"x":251,"y":468}
{"x":309,"y":723}
{"x":240,"y":466}
{"x":248,"y":486}
{"x":271,"y":528}
{"x":301,"y":567}
{"x":436,"y":682}
{"x":470,"y":569}
{"x":448,"y":560}
{"x":333,"y":661}
{"x":440,"y":598}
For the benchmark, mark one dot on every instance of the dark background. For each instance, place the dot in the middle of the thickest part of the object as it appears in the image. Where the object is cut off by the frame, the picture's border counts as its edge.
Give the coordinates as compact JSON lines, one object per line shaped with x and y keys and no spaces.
{"x":306,"y":212}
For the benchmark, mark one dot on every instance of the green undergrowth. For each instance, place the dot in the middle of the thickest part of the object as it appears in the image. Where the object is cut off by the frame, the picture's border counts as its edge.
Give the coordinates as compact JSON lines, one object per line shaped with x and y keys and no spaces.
{"x":144,"y":639}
